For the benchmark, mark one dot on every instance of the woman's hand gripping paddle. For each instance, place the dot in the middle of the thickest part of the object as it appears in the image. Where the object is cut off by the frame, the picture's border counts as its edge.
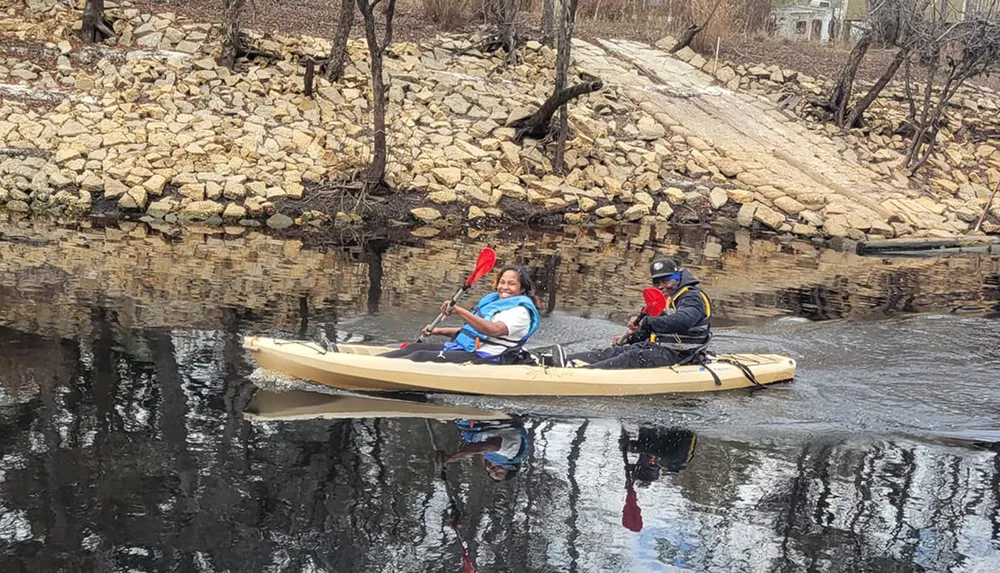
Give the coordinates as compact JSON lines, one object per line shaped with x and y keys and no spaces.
{"x":484,"y":264}
{"x":655,"y":305}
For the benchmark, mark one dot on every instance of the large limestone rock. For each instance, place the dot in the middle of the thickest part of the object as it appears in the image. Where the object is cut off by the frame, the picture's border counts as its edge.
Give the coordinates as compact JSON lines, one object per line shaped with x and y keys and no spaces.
{"x":725,"y":74}
{"x":113,"y":188}
{"x":426,"y":214}
{"x":741,"y":196}
{"x":718,"y":197}
{"x":607,"y":211}
{"x":450,"y":176}
{"x":745,"y":215}
{"x":154,"y":185}
{"x":234,"y":211}
{"x":161,"y":208}
{"x":664,"y":210}
{"x":675,"y":196}
{"x":789,"y":205}
{"x":195,"y":191}
{"x":686,"y":54}
{"x":279,"y":221}
{"x":636,"y":212}
{"x":837,"y":226}
{"x":457,"y":104}
{"x":769,"y":217}
{"x":442,"y":196}
{"x":650,"y":130}
{"x":134,"y":200}
{"x":201,"y":209}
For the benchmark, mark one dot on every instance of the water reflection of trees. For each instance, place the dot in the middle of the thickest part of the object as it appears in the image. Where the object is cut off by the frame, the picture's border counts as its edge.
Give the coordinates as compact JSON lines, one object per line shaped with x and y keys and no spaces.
{"x":127,"y":451}
{"x":190,"y":281}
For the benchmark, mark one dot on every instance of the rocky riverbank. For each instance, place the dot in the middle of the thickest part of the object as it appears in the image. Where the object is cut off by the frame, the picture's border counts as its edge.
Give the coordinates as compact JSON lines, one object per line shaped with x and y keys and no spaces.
{"x":148,"y":127}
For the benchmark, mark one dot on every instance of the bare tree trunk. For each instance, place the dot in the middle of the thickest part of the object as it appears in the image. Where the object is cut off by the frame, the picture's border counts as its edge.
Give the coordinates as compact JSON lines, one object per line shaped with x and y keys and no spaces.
{"x":376,"y":172}
{"x":232,"y":43}
{"x":548,"y":21}
{"x":854,"y":118}
{"x":503,"y":15}
{"x":908,"y":90}
{"x":307,"y":80}
{"x":95,"y":29}
{"x":338,"y":55}
{"x":920,"y":129}
{"x":840,"y":97}
{"x":562,"y":66}
{"x":693,"y":30}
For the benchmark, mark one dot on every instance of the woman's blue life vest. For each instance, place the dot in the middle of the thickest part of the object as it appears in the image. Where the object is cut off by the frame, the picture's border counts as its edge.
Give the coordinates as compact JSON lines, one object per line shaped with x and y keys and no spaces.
{"x":474,"y":431}
{"x":487,"y":308}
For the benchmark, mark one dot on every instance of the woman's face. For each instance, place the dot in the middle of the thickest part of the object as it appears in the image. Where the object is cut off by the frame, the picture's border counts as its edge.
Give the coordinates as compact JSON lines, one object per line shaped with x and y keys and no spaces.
{"x":508,"y":285}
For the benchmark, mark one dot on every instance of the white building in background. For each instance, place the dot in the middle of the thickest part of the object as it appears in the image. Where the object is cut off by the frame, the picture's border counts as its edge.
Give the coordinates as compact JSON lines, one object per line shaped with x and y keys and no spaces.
{"x":816,"y":21}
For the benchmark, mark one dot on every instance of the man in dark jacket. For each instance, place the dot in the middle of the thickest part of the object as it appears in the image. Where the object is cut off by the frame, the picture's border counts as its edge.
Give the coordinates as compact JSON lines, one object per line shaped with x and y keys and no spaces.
{"x":679,"y":335}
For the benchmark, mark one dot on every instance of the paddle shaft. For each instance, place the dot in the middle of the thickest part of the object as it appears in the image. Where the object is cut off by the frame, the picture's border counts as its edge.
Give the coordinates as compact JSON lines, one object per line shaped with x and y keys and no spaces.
{"x":451,"y":304}
{"x":638,"y":319}
{"x":455,"y":510}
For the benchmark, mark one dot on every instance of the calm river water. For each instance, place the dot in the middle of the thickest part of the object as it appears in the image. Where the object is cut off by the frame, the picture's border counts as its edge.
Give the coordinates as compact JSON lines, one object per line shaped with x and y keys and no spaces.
{"x":125,"y":444}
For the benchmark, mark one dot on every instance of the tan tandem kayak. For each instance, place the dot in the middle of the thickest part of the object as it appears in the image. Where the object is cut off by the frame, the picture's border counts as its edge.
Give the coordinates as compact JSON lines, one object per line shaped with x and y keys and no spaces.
{"x":359,"y":368}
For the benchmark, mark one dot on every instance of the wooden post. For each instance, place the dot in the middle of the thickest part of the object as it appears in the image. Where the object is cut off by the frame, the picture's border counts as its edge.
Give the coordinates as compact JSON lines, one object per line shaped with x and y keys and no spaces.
{"x":715,"y":66}
{"x":308,"y":80}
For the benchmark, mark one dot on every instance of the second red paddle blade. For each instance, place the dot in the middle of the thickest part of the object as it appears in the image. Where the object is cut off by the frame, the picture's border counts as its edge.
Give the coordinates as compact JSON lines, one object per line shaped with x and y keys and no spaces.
{"x":655,"y":301}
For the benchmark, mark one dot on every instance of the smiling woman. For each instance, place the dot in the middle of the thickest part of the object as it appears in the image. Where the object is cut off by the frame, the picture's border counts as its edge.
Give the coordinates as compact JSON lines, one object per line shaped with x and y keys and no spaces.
{"x":502,"y":321}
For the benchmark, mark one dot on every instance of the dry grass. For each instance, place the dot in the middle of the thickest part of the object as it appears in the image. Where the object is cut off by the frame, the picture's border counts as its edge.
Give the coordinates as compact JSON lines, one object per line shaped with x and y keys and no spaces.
{"x":632,"y":18}
{"x":446,"y":14}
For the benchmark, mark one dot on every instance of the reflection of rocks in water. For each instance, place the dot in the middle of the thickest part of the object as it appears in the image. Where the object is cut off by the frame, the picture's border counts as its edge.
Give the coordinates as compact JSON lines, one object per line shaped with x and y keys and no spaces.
{"x":51,"y":276}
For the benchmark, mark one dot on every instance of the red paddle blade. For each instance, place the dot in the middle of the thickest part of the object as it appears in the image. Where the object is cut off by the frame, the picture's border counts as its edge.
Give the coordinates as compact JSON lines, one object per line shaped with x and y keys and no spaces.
{"x":655,"y":301}
{"x":467,"y":565}
{"x":484,"y":264}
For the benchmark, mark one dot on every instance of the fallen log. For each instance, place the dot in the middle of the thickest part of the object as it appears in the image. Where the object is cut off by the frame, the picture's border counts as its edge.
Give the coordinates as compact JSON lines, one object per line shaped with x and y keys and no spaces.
{"x":536,"y":125}
{"x":929,"y":246}
{"x":43,"y":153}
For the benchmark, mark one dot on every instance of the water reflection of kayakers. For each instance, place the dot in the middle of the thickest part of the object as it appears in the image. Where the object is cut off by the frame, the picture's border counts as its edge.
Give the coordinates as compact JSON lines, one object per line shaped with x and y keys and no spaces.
{"x":658,"y":449}
{"x":678,"y":336}
{"x":501,"y":321}
{"x":504,"y":445}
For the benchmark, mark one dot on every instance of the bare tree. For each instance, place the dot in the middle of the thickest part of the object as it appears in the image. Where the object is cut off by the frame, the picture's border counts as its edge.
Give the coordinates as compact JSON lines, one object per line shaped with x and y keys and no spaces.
{"x":548,"y":21}
{"x":562,"y":66}
{"x":95,"y":28}
{"x":538,"y":124}
{"x":840,"y":95}
{"x":896,"y":23}
{"x":693,"y":30}
{"x":900,"y":25}
{"x":375,"y":177}
{"x":502,"y":14}
{"x":964,"y":50}
{"x":338,"y":54}
{"x":232,"y":39}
